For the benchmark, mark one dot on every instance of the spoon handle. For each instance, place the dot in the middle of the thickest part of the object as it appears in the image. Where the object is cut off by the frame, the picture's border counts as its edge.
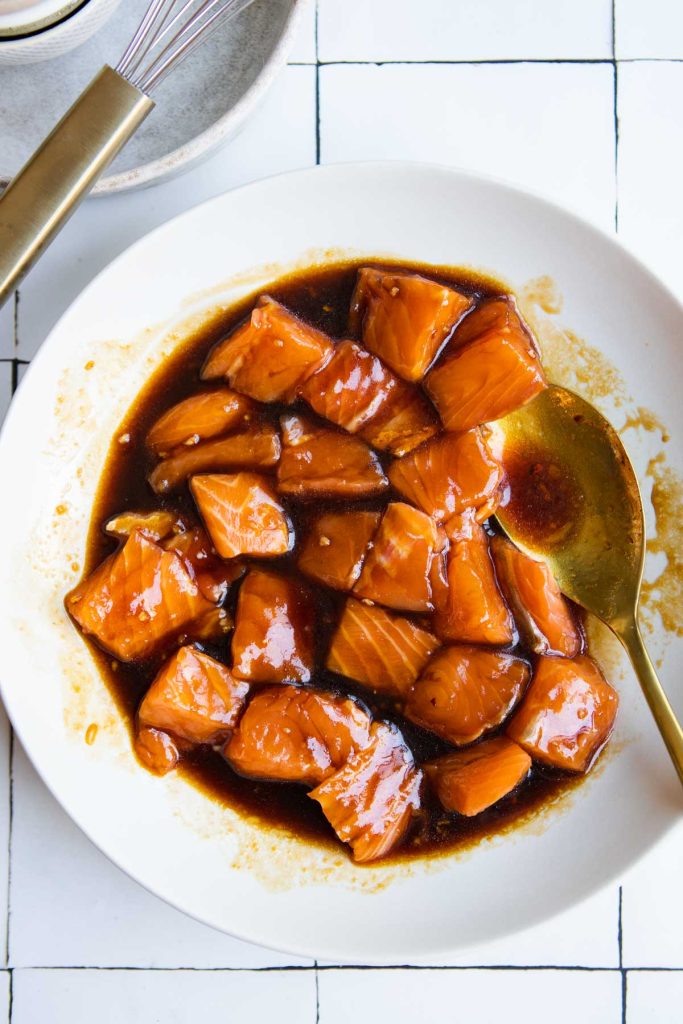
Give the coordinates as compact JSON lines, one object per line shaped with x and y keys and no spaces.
{"x":663,"y":713}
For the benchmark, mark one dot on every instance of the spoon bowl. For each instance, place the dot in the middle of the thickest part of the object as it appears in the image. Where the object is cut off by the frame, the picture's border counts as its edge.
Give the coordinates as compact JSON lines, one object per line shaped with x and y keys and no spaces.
{"x":574,"y":501}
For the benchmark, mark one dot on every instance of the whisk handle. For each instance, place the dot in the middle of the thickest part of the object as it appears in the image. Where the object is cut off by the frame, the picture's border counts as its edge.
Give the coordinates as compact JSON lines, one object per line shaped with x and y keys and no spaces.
{"x":46,"y":191}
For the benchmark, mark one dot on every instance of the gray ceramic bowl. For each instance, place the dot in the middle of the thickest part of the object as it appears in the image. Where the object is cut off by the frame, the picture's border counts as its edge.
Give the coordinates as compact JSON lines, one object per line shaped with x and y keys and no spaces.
{"x":199,"y":106}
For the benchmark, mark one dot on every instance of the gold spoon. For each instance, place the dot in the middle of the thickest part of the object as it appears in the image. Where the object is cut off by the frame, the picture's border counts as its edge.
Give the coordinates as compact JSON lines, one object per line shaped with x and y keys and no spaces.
{"x":574,"y":499}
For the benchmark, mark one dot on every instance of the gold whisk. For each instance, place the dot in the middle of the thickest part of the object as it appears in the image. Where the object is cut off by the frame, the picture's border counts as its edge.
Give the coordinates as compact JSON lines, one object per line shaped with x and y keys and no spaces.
{"x":46,"y":191}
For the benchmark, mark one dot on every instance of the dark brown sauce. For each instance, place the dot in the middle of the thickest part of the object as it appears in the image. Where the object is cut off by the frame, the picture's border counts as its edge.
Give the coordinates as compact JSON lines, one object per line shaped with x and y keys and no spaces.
{"x":320,"y":296}
{"x":544,"y":499}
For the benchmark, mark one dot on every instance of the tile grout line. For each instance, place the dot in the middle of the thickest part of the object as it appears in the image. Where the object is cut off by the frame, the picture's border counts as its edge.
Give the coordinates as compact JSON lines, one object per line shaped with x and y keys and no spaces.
{"x":317,"y":994}
{"x":620,"y":946}
{"x":317,"y":84}
{"x":615,"y":89}
{"x":327,"y":968}
{"x":10,"y":1008}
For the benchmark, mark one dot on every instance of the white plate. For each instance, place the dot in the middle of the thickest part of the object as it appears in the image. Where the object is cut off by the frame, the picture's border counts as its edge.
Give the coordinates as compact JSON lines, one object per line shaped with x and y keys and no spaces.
{"x":198,"y":107}
{"x":260,"y":885}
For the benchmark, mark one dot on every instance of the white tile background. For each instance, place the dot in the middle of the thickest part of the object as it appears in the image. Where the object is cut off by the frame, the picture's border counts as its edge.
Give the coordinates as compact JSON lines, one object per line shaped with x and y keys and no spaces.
{"x":528,"y":90}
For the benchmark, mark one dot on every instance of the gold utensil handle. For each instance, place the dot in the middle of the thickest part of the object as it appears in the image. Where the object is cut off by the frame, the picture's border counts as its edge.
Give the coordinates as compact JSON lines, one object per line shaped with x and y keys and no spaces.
{"x":663,"y":713}
{"x":47,"y":190}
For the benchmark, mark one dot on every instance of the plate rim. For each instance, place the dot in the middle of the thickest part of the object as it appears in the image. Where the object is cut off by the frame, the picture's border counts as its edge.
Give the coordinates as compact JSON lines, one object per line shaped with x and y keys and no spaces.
{"x":327,"y":952}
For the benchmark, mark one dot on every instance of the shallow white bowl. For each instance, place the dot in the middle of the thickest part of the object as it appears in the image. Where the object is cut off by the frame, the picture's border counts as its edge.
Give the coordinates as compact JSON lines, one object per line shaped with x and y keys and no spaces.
{"x":260,"y":885}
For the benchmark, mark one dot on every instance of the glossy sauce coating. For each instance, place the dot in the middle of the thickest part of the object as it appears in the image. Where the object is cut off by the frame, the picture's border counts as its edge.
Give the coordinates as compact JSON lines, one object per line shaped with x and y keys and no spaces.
{"x":321,"y":298}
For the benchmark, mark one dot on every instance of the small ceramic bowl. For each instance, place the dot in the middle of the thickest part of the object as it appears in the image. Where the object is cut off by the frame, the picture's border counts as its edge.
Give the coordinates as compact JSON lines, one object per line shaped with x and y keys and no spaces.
{"x":36,"y":30}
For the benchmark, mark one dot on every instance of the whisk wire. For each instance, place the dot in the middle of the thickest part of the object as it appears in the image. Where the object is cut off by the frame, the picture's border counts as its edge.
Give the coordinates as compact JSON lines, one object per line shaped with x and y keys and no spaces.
{"x":169,"y":31}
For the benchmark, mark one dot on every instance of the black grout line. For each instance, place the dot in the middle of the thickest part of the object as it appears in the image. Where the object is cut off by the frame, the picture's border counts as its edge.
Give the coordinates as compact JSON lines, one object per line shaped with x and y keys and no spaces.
{"x":616,"y":146}
{"x":317,"y":995}
{"x":316,"y":968}
{"x":15,"y":320}
{"x":317,"y":87}
{"x":466,"y":63}
{"x":620,"y":946}
{"x":614,"y":29}
{"x":10,"y":821}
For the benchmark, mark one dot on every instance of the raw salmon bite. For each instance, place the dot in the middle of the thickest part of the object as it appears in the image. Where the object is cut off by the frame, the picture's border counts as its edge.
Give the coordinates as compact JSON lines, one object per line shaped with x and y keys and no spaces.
{"x":567,"y":714}
{"x":194,"y":697}
{"x":382,"y":651}
{"x":490,"y":368}
{"x":198,"y":418}
{"x":469,"y":607}
{"x":469,"y":781}
{"x":396,"y":571}
{"x":140,"y":599}
{"x":449,"y":474}
{"x":291,"y":734}
{"x":351,"y":389}
{"x":543,"y":615}
{"x":258,"y":448}
{"x":273,"y":640}
{"x":370,"y":801}
{"x":317,"y":461}
{"x":270,"y":355}
{"x":335,"y":547}
{"x":404,"y":318}
{"x":465,"y":692}
{"x":242,"y":514}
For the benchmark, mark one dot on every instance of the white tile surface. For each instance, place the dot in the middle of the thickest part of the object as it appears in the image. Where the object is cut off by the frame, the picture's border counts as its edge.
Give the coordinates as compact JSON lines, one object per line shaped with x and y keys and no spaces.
{"x":547,"y":126}
{"x":303,"y":50}
{"x":652,"y":908}
{"x":72,"y":907}
{"x":456,"y":997}
{"x":177,"y":997}
{"x":654,"y":29}
{"x":466,"y":30}
{"x":654,"y":998}
{"x":564,"y":941}
{"x":651,"y":164}
{"x":280,"y":137}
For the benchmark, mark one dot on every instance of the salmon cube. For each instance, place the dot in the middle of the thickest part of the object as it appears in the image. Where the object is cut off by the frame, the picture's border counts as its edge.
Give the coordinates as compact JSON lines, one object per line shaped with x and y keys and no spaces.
{"x":252,"y":449}
{"x":404,"y":318}
{"x":371,"y":800}
{"x":290,"y":734}
{"x":469,"y":605}
{"x":567,"y":714}
{"x":199,"y":418}
{"x":156,"y":750}
{"x":140,"y":599}
{"x":194,"y":697}
{"x":449,"y":474}
{"x":469,"y":781}
{"x":542,"y":614}
{"x":335,"y":548}
{"x":242,"y":514}
{"x":352,"y":387}
{"x":486,"y":374}
{"x":213,"y":574}
{"x":382,"y":651}
{"x":318,"y":462}
{"x":397,"y":568}
{"x":465,"y":692}
{"x":405,"y":420}
{"x":273,"y":640}
{"x":156,"y":525}
{"x":270,"y":355}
